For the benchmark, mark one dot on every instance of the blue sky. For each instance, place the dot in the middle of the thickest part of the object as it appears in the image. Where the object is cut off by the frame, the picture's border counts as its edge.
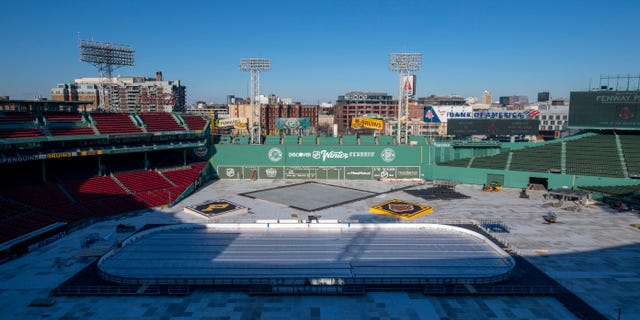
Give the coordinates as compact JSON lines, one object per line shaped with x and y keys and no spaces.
{"x":322,"y":49}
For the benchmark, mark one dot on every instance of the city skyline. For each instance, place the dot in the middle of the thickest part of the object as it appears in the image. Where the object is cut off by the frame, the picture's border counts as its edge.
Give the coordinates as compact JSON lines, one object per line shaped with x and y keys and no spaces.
{"x":322,"y":50}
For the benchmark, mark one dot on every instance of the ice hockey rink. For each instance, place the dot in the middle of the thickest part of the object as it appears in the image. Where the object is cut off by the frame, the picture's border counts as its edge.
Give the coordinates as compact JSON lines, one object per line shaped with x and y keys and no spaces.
{"x":296,"y":253}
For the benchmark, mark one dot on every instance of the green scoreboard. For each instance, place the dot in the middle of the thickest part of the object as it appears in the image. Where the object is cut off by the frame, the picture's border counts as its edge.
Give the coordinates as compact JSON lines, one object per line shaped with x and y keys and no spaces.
{"x":605,"y":110}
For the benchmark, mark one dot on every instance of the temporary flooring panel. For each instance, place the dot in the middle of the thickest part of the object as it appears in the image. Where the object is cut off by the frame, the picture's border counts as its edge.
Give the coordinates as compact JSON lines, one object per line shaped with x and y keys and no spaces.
{"x":310,"y":196}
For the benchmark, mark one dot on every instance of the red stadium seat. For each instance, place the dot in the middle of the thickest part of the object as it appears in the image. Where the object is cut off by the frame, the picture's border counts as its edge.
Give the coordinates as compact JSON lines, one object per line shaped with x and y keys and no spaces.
{"x":160,"y":121}
{"x":194,"y":122}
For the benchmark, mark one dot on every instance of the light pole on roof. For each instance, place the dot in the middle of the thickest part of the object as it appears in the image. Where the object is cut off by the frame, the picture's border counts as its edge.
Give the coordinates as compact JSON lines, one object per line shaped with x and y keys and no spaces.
{"x":403,"y":63}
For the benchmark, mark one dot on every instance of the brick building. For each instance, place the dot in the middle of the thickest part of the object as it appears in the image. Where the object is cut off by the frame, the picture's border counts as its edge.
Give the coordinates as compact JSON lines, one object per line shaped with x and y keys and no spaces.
{"x":356,"y":104}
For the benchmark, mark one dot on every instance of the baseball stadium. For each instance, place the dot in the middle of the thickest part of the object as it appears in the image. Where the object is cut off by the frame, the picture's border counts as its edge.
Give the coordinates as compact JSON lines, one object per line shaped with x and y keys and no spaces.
{"x":154,"y":215}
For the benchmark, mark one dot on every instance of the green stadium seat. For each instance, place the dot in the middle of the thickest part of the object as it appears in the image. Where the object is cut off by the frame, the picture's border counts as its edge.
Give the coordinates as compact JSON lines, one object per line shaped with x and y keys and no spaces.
{"x":367,"y":140}
{"x":271,"y":140}
{"x":349,"y":140}
{"x":329,"y":140}
{"x":418,"y":140}
{"x":386,"y":140}
{"x":309,"y":140}
{"x":290,"y":140}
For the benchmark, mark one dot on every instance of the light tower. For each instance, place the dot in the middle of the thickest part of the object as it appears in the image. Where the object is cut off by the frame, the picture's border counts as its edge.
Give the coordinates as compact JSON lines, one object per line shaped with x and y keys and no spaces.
{"x":106,"y":56}
{"x":404,"y":63}
{"x":255,"y":66}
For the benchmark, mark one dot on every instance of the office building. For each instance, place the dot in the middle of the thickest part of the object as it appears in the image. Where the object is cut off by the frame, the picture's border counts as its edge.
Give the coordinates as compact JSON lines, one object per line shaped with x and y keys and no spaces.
{"x":125,"y":93}
{"x":358,"y":104}
{"x":486,"y":98}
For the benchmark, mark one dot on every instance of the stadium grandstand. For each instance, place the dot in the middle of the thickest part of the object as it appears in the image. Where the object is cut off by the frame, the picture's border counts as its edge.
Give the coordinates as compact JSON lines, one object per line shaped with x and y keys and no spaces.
{"x":63,"y":168}
{"x":76,"y":162}
{"x":588,"y":154}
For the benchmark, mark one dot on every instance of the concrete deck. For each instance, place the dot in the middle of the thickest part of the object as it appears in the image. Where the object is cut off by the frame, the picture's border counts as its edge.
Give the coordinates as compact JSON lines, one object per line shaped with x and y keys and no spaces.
{"x":594,"y":253}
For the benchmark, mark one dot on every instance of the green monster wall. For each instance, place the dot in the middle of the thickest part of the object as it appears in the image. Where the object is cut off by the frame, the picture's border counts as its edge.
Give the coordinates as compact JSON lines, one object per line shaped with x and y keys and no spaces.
{"x":317,"y":162}
{"x":367,"y":162}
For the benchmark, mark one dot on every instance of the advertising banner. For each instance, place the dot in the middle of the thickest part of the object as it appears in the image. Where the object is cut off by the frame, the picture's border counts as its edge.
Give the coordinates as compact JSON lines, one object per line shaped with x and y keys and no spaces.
{"x":409,"y":85}
{"x":293,"y":123}
{"x":315,"y":155}
{"x":315,"y":172}
{"x":231,"y":122}
{"x":434,"y":114}
{"x":357,"y":123}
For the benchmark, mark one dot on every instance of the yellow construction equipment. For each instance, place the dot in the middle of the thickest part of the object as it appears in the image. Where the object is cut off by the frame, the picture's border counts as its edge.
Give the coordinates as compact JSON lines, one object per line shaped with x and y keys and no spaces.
{"x":492,"y":187}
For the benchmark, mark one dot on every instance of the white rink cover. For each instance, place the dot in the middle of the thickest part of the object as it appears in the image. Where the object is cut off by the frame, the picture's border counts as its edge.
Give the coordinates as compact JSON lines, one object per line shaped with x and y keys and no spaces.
{"x":295,"y":252}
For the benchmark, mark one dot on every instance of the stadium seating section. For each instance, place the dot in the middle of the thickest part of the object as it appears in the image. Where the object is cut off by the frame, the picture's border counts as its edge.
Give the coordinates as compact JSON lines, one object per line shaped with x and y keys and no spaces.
{"x":594,"y":156}
{"x":309,"y":140}
{"x":349,"y":140}
{"x":329,"y":140}
{"x":385,"y":140}
{"x":591,"y":155}
{"x":10,"y":133}
{"x":67,"y":124}
{"x":114,"y":123}
{"x":418,"y":140}
{"x":16,"y":117}
{"x":631,"y":151}
{"x":368,"y":140}
{"x":497,"y":162}
{"x":27,"y":208}
{"x":160,"y":121}
{"x":290,"y":139}
{"x":194,"y":122}
{"x":137,"y":181}
{"x":538,"y":159}
{"x":23,"y":125}
{"x":63,"y":117}
{"x":242,"y":139}
{"x":39,"y":195}
{"x":72,"y":131}
{"x":272,"y":140}
{"x":93,"y":188}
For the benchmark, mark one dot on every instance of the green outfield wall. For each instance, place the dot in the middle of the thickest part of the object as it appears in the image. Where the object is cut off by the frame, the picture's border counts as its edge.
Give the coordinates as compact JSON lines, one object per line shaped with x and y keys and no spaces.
{"x":318,"y":162}
{"x":369,"y":162}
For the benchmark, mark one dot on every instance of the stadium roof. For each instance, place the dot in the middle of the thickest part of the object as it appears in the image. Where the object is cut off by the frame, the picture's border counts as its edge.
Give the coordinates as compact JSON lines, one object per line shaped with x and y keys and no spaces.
{"x":43,"y":102}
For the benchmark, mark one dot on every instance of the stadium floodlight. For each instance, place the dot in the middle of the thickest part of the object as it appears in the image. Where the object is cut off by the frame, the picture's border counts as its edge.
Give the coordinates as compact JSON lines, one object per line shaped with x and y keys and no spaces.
{"x":255,"y":66}
{"x":106,"y":56}
{"x":403,"y":63}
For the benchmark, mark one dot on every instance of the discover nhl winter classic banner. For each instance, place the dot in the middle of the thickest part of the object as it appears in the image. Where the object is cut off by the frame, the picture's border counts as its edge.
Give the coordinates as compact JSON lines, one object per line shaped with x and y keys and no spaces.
{"x":292,"y":123}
